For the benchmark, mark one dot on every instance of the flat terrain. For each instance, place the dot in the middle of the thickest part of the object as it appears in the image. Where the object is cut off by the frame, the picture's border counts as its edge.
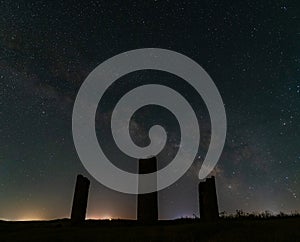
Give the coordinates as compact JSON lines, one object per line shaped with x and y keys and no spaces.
{"x":234,"y":229}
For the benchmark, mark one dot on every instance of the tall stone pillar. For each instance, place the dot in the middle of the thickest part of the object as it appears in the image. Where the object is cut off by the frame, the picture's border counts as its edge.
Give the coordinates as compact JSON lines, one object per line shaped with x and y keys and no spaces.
{"x":208,"y":200}
{"x":147,"y":208}
{"x":80,"y":199}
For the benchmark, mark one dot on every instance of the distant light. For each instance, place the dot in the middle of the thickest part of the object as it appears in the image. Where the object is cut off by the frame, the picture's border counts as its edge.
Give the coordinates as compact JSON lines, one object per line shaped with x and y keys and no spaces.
{"x":97,"y":217}
{"x":29,"y":219}
{"x":107,"y":218}
{"x":29,"y":216}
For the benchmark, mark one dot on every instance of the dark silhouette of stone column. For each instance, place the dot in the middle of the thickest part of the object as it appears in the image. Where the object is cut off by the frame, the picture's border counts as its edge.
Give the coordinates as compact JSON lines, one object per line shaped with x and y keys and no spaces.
{"x":208,"y":200}
{"x":147,"y":209}
{"x":80,"y":199}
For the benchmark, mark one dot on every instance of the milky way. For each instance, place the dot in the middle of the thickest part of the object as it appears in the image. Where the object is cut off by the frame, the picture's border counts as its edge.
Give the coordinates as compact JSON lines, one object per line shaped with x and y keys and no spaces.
{"x":249,"y":48}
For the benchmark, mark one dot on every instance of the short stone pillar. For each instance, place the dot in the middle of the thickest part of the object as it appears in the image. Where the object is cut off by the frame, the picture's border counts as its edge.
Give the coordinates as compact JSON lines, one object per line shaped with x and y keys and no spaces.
{"x":147,"y":207}
{"x":208,"y":202}
{"x":80,"y":199}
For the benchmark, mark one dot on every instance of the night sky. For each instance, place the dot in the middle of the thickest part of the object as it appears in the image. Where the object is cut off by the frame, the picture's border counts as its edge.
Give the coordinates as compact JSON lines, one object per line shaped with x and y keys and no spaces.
{"x":251,"y":49}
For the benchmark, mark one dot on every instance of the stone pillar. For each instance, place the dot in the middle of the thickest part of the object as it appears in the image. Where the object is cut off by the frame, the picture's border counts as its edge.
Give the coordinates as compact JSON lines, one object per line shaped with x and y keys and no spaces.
{"x":80,"y":199}
{"x":147,"y":207}
{"x":208,"y":200}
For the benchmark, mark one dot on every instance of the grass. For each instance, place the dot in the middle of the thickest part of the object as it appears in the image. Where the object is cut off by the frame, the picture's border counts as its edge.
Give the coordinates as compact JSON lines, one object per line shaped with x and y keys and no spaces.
{"x":232,"y":229}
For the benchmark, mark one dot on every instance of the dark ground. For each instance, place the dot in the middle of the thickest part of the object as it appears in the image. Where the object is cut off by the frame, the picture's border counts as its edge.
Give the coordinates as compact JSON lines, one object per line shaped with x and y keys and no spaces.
{"x":234,"y":229}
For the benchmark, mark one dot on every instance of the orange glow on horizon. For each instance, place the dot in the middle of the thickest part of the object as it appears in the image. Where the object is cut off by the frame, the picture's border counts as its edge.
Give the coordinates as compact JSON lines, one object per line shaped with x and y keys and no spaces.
{"x":29,"y":216}
{"x":99,"y":217}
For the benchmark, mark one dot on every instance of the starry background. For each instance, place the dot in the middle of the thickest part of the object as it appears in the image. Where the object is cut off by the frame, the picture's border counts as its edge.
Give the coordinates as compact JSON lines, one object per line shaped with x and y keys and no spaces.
{"x":250,"y":49}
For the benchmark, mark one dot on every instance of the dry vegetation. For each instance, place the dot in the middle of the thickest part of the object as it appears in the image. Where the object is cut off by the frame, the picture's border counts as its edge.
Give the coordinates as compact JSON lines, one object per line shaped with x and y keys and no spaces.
{"x":239,"y":227}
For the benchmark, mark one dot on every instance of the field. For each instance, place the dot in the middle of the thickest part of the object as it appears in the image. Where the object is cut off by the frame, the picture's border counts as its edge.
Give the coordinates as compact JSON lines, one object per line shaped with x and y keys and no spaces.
{"x":226,"y":229}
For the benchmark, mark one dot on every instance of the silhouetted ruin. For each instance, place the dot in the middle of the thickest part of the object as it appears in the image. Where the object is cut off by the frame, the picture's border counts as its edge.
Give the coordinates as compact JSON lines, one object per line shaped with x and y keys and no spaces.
{"x":80,"y":199}
{"x":147,"y":210}
{"x":208,"y":200}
